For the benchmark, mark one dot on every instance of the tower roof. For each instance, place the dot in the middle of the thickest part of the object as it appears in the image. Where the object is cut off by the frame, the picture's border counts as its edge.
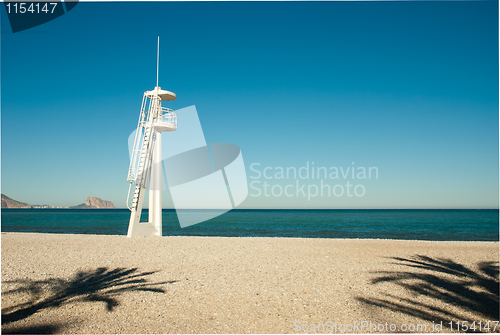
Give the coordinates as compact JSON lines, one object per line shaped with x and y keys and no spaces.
{"x":163,"y":94}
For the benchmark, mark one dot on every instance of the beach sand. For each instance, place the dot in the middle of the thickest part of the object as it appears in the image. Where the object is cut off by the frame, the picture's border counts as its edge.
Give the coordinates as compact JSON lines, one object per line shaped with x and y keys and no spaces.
{"x":111,"y":284}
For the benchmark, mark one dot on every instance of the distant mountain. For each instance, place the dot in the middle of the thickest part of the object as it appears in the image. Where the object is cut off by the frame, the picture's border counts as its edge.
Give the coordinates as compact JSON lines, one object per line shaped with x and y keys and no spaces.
{"x":11,"y":203}
{"x":91,"y":202}
{"x":94,"y":202}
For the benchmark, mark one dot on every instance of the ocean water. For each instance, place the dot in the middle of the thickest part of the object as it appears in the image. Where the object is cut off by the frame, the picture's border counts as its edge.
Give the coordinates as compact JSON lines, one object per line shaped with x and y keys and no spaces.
{"x":436,"y":225}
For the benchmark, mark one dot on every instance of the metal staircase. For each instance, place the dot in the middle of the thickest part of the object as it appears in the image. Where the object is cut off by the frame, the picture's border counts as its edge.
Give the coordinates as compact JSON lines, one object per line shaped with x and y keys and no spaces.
{"x":140,"y":161}
{"x":144,"y":164}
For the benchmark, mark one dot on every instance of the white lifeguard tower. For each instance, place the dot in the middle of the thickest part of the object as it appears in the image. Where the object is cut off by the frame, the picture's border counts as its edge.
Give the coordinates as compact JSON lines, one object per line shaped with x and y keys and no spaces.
{"x":145,"y":169}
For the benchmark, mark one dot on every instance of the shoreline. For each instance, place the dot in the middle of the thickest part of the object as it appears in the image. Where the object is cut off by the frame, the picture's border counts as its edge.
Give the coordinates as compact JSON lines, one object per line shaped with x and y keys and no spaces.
{"x":263,"y":237}
{"x":92,"y":284}
{"x":283,"y":209}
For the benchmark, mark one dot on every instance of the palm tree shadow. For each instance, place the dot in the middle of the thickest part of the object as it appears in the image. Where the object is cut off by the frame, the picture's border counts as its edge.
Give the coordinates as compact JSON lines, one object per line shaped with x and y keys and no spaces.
{"x":450,"y":285}
{"x":37,"y":329}
{"x":101,"y":284}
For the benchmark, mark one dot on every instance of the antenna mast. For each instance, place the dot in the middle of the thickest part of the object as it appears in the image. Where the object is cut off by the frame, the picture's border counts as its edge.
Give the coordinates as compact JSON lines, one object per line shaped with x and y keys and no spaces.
{"x":157,"y":60}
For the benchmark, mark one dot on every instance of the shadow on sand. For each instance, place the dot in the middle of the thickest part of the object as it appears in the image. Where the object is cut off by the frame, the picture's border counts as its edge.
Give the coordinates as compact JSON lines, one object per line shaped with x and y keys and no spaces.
{"x":99,"y":285}
{"x":38,"y":329}
{"x":448,"y":283}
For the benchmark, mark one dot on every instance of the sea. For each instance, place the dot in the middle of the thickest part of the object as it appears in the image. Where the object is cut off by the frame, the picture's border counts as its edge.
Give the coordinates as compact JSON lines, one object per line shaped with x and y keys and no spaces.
{"x":405,"y":224}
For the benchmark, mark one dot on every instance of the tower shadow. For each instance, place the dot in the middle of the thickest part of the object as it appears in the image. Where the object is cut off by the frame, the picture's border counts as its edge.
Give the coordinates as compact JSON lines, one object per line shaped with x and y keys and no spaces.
{"x":101,"y":284}
{"x":448,"y":283}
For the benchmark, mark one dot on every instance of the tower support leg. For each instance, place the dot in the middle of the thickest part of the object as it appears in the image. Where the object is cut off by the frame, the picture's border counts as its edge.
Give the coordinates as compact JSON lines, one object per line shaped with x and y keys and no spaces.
{"x":153,"y":226}
{"x":155,"y":188}
{"x":134,"y":226}
{"x":137,"y":228}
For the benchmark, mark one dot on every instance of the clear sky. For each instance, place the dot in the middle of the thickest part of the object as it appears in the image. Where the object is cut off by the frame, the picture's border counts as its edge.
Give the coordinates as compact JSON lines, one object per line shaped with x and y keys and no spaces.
{"x":410,"y":88}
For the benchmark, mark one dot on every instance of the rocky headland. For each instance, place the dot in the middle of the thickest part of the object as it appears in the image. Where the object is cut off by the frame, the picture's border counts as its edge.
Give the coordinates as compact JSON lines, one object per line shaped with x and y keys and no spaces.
{"x":11,"y":203}
{"x":90,"y":203}
{"x":93,"y":203}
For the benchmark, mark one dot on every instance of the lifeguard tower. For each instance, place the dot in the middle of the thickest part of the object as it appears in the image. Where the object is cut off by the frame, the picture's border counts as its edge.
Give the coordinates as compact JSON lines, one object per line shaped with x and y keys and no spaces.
{"x":145,"y":170}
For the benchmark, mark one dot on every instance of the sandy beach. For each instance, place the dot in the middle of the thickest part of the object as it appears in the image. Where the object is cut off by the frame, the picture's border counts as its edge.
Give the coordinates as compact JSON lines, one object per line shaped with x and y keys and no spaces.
{"x":111,"y":284}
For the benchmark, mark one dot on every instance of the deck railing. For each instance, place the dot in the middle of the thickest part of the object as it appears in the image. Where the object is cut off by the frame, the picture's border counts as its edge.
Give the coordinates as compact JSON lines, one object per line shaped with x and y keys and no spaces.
{"x":168,"y":117}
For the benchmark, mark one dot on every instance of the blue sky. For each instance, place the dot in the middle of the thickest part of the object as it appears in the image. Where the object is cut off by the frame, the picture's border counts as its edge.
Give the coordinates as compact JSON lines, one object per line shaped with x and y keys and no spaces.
{"x":408,"y":87}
